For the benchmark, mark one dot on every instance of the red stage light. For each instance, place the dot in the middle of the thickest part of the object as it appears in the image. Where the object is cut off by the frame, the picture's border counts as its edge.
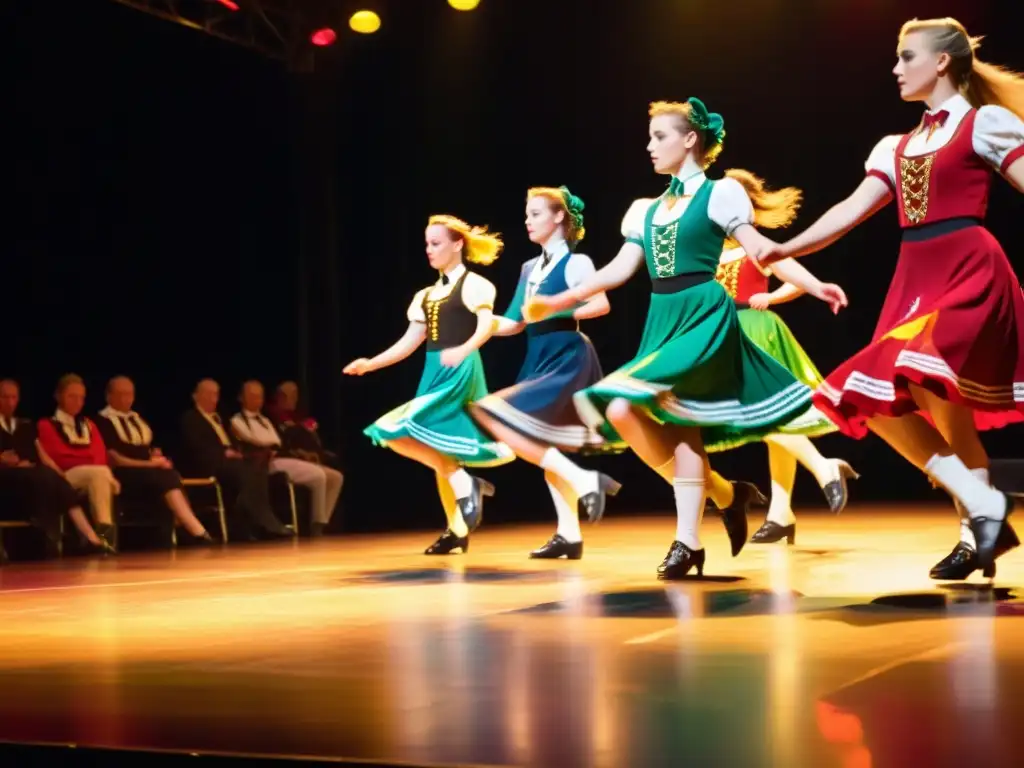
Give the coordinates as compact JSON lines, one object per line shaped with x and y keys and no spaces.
{"x":228,"y":4}
{"x":324,"y":36}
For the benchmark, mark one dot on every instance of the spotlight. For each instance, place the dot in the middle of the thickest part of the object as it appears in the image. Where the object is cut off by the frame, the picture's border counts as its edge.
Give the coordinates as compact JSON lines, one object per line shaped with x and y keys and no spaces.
{"x":463,"y":5}
{"x":364,"y":22}
{"x":323,"y":37}
{"x":229,"y":4}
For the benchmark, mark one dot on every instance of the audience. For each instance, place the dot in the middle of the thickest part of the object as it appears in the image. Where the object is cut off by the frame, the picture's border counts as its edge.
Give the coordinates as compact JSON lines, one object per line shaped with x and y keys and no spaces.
{"x":260,"y":439}
{"x":76,"y":447}
{"x":298,"y":431}
{"x":211,"y":452}
{"x":30,"y":481}
{"x":142,"y":469}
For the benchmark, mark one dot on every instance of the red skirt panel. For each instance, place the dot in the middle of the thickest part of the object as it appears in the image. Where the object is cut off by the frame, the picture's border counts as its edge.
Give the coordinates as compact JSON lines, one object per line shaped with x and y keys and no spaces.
{"x":952,"y":323}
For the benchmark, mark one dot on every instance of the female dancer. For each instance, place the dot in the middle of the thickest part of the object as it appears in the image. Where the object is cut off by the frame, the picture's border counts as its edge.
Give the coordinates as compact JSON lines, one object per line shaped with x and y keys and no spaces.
{"x":536,"y":417}
{"x":696,"y":376}
{"x":947,"y":356}
{"x":747,"y":285}
{"x":455,"y":317}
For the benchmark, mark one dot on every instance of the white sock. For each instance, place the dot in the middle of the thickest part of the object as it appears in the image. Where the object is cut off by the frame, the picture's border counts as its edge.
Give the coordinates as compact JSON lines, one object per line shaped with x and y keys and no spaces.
{"x":781,"y":508}
{"x":583,"y":481}
{"x":568,"y":517}
{"x":976,"y":496}
{"x":966,"y":534}
{"x":689,"y":493}
{"x":461,"y":483}
{"x":802,"y":449}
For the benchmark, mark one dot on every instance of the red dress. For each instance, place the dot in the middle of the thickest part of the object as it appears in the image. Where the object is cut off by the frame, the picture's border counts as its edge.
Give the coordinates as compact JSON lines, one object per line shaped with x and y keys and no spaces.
{"x":953,"y":319}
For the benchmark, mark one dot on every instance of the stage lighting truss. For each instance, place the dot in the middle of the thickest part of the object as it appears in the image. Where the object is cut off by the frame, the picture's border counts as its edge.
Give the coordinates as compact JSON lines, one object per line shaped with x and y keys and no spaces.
{"x":274,"y":28}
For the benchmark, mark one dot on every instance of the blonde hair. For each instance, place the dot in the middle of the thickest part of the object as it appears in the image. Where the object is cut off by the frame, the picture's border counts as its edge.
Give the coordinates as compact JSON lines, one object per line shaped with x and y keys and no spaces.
{"x":709,"y":151}
{"x":572,"y":227}
{"x":67,"y":380}
{"x":478,"y":245}
{"x":773,"y":208}
{"x":980,"y":83}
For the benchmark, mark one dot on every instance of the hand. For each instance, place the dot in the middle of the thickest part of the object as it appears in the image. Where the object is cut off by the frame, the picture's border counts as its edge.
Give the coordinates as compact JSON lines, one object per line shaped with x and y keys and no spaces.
{"x":116,"y":487}
{"x":156,"y":452}
{"x":358,"y":367}
{"x":161,"y":462}
{"x":832,"y":295}
{"x":760,"y":301}
{"x":452,"y":357}
{"x":536,"y":308}
{"x":10,"y":458}
{"x":231,"y":453}
{"x":767,"y":252}
{"x":25,"y":463}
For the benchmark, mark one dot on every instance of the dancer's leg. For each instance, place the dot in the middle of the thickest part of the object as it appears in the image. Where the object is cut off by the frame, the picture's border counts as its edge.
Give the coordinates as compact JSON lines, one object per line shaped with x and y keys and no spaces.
{"x":564,"y":499}
{"x":804,"y":451}
{"x":688,"y":486}
{"x":460,"y":480}
{"x":451,"y":507}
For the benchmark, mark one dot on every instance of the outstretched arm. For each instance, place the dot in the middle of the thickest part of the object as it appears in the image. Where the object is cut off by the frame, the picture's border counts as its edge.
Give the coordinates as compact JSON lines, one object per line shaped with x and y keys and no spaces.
{"x":401,"y":349}
{"x":504,"y":326}
{"x":596,"y":306}
{"x":612,"y":275}
{"x":1015,"y":173}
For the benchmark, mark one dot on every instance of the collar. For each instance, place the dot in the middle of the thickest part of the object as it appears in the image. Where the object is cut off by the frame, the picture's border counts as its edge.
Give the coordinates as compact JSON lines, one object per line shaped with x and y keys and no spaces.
{"x":691,"y":181}
{"x":252,"y":414}
{"x":956,"y":105}
{"x":452,"y":276}
{"x":556,"y":249}
{"x":66,"y":418}
{"x":110,"y":411}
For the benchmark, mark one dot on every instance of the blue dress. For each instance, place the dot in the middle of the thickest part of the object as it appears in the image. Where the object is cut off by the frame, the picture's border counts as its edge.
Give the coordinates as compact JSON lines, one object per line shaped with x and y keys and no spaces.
{"x":559,"y":362}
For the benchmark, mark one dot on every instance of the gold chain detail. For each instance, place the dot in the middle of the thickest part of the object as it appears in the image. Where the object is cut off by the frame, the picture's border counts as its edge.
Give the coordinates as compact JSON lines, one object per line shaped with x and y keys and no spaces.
{"x":915,"y":179}
{"x":728,"y":275}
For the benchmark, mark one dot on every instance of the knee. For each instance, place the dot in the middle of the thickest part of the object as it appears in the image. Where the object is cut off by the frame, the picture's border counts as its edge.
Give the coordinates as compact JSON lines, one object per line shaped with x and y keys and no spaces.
{"x":619,"y":411}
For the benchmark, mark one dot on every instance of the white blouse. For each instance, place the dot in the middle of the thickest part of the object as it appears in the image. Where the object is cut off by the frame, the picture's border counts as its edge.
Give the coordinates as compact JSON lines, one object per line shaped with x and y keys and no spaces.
{"x":729,"y":207}
{"x":997,"y":133}
{"x":578,"y":269}
{"x":477,"y":293}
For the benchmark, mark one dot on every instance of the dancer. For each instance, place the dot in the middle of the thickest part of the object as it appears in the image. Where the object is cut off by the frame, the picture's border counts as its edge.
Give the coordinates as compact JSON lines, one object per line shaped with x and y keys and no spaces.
{"x":696,"y":378}
{"x":536,"y":417}
{"x":455,"y":318}
{"x":747,"y":285}
{"x":946,"y":358}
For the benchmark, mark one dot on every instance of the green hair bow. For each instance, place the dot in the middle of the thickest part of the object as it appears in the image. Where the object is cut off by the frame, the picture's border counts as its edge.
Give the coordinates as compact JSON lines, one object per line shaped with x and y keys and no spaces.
{"x":573,"y":205}
{"x":711,"y":124}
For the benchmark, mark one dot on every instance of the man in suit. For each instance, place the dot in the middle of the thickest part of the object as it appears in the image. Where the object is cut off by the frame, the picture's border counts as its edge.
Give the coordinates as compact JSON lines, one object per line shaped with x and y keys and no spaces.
{"x":32,"y":487}
{"x":211,"y":451}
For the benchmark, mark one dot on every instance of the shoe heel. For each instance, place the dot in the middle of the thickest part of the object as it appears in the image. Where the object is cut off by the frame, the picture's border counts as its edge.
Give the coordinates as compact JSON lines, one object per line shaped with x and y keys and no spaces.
{"x":791,"y":538}
{"x":486,"y":488}
{"x":700,"y":570}
{"x":847,"y":471}
{"x":610,"y":486}
{"x":989,"y":571}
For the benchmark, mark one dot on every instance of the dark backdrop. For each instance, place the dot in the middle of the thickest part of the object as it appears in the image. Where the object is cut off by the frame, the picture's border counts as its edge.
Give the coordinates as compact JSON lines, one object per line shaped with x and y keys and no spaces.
{"x":185,"y":208}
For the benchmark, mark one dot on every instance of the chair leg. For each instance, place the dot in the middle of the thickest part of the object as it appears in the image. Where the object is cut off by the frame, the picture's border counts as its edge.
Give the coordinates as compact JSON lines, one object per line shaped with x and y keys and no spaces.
{"x":221,"y":515}
{"x":295,"y":512}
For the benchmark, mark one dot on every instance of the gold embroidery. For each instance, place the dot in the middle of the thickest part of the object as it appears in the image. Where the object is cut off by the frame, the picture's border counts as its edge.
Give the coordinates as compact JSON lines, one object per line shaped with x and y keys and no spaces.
{"x":728,"y":275}
{"x":431,"y":309}
{"x":663,"y":249}
{"x":915,"y":178}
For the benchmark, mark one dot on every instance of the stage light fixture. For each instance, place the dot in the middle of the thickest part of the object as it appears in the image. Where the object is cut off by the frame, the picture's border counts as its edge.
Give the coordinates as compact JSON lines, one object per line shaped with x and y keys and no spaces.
{"x":463,"y":5}
{"x":364,"y":22}
{"x":323,"y":37}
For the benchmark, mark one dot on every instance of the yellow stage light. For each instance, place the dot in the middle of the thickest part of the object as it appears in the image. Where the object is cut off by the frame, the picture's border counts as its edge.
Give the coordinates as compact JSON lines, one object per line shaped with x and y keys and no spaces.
{"x":463,"y":5}
{"x":364,"y":22}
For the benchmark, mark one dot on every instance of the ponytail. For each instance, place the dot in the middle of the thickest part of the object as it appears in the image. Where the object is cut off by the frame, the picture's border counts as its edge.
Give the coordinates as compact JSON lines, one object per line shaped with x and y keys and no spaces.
{"x":478,"y":245}
{"x":773,"y":208}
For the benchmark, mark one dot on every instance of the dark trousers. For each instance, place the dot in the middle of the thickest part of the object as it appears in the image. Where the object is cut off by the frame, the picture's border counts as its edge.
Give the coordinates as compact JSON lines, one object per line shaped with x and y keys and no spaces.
{"x":248,"y":483}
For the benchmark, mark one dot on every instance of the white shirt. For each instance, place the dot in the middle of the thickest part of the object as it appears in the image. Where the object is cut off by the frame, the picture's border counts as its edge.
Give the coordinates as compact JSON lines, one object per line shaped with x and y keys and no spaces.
{"x":997,"y":132}
{"x":577,"y":270}
{"x":477,"y":293}
{"x":729,"y":207}
{"x":70,"y":428}
{"x":255,"y":428}
{"x":130,"y":427}
{"x":10,"y":425}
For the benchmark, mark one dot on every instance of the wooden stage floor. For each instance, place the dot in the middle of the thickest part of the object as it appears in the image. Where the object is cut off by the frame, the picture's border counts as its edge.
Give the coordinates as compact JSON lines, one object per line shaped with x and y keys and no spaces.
{"x":837,"y":652}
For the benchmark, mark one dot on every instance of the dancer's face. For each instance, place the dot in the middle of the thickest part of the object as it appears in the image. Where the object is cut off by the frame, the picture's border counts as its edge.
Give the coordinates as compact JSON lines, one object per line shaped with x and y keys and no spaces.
{"x":918,"y":67}
{"x":670,"y":143}
{"x":442,"y":251}
{"x":541,"y":221}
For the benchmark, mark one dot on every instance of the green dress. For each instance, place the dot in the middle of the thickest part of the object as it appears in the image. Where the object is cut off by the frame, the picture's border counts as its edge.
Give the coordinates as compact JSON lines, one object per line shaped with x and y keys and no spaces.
{"x":437,"y":415}
{"x":695,"y":367}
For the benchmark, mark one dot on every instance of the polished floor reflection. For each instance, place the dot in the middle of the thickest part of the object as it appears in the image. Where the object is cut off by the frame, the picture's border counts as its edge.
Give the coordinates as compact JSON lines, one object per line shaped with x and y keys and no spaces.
{"x":839,"y":652}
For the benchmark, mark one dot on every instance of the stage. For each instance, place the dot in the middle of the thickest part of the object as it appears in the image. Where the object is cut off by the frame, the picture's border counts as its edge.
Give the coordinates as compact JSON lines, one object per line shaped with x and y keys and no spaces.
{"x":839,"y":651}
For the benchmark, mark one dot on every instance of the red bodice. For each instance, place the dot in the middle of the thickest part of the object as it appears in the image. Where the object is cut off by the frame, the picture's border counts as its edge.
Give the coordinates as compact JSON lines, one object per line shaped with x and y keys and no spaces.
{"x":949,"y":183}
{"x":741,"y":279}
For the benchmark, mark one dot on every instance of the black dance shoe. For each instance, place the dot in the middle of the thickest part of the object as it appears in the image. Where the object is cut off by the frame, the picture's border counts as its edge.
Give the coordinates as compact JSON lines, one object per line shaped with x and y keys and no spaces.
{"x":558,"y":547}
{"x":993,"y":538}
{"x":447,"y":544}
{"x":836,"y":492}
{"x":770,"y":532}
{"x":593,"y":503}
{"x":472,"y":507}
{"x":734,"y":517}
{"x":679,"y":561}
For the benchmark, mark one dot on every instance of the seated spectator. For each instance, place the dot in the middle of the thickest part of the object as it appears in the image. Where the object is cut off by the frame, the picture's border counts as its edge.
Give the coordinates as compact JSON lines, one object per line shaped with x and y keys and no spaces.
{"x":212,"y":452}
{"x":76,"y":447}
{"x":258,"y":435}
{"x":299,"y":433}
{"x":142,"y":470}
{"x":29,"y":479}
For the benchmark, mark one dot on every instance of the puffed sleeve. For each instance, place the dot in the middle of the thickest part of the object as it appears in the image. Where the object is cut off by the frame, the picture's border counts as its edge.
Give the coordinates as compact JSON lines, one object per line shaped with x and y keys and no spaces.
{"x":579,"y":269}
{"x":729,"y":206}
{"x":514,"y":312}
{"x":633,"y":221}
{"x":881,"y":162}
{"x":478,"y":292}
{"x":998,"y":137}
{"x":415,"y":311}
